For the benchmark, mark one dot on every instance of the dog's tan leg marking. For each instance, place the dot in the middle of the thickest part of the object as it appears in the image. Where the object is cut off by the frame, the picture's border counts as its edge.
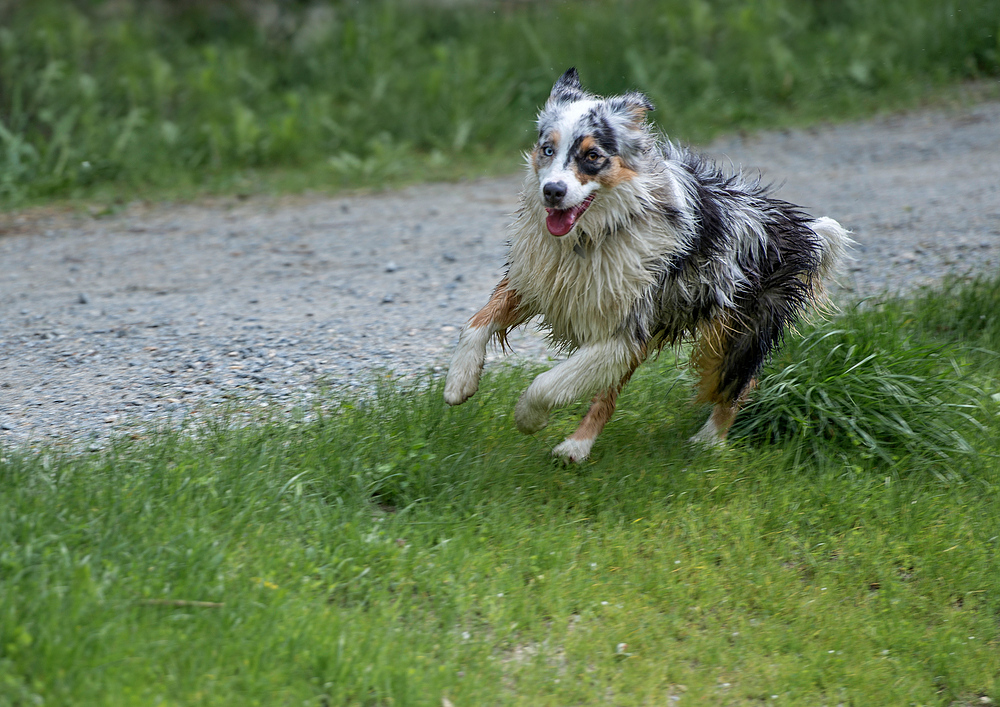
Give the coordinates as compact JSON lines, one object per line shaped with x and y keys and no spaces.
{"x":602,"y":407}
{"x":577,"y":446}
{"x":501,"y":313}
{"x":708,"y":358}
{"x":499,"y":316}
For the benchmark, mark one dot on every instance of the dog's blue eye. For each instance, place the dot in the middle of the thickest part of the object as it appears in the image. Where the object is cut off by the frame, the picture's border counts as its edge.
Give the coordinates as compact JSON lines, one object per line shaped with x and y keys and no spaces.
{"x":548,"y":151}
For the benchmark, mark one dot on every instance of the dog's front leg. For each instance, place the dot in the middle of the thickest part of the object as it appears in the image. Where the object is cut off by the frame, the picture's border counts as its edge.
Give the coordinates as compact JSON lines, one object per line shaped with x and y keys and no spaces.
{"x":592,"y":368}
{"x":500,"y":314}
{"x":577,"y":446}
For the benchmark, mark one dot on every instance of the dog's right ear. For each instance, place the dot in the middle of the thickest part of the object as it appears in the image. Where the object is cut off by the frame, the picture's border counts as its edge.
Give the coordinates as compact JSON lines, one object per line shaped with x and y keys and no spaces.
{"x":567,"y":88}
{"x":633,"y":105}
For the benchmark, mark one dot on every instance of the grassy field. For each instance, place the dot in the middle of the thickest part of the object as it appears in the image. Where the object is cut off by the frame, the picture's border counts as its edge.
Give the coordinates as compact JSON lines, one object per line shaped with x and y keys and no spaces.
{"x":398,"y":552}
{"x":113,"y":99}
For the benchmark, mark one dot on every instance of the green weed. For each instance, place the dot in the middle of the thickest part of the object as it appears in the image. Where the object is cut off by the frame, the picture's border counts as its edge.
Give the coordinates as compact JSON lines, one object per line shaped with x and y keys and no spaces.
{"x":110,"y":98}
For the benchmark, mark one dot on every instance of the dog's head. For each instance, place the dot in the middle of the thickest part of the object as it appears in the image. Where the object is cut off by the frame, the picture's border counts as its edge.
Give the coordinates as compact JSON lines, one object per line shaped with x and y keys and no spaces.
{"x":586,"y":143}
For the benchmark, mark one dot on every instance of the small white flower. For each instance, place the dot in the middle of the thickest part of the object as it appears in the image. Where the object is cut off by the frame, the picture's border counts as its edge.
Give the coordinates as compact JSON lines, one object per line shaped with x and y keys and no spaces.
{"x":500,"y":594}
{"x":604,"y":603}
{"x":621,"y":647}
{"x":466,"y":635}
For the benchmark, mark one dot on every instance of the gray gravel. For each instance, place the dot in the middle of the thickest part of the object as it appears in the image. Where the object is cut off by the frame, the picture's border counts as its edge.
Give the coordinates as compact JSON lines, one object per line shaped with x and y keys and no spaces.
{"x":161,"y":314}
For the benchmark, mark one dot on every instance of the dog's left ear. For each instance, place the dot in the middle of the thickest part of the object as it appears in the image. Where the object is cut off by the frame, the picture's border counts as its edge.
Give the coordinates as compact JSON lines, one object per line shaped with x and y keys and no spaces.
{"x":633,"y":105}
{"x":567,"y":88}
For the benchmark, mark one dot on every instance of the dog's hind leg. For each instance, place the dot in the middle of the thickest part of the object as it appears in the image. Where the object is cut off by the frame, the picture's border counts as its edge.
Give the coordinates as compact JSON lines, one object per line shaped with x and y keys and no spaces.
{"x":577,"y":446}
{"x":501,"y":313}
{"x":726,"y":377}
{"x":733,"y":347}
{"x":713,"y":432}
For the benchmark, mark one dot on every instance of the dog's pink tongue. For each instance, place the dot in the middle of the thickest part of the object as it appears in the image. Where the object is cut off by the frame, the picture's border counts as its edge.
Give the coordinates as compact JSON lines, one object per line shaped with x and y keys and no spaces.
{"x":560,"y":221}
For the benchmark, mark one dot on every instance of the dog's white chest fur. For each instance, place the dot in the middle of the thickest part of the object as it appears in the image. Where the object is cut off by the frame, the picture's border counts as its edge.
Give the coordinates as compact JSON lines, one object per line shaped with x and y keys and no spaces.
{"x":584,"y":288}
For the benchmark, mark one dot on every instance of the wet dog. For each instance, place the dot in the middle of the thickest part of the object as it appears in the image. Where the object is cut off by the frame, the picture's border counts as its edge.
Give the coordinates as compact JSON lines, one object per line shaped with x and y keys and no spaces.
{"x":625,"y":243}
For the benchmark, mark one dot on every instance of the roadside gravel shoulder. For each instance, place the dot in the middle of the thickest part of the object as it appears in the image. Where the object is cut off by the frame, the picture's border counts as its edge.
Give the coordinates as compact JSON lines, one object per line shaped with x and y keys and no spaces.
{"x":162,"y":314}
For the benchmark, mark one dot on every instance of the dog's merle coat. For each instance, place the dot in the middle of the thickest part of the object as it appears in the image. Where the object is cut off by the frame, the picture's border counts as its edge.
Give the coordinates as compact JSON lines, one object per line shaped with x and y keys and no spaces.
{"x":625,"y":243}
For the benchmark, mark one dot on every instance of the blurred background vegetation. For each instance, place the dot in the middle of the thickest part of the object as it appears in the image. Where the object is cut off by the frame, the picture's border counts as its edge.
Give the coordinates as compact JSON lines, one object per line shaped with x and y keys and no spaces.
{"x":125,"y":96}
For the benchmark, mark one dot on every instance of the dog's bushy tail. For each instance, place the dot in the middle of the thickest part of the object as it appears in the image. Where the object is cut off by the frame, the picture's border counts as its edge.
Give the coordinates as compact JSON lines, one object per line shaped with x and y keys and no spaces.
{"x":835,"y":240}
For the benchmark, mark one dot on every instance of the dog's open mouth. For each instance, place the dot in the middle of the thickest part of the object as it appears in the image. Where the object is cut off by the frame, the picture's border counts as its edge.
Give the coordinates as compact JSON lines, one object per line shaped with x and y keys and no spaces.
{"x":560,"y":221}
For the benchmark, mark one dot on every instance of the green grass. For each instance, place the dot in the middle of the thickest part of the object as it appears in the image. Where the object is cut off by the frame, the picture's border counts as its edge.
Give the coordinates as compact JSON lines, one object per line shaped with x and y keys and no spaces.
{"x":962,"y":311}
{"x":860,"y":387}
{"x":398,"y":552}
{"x":116,"y":99}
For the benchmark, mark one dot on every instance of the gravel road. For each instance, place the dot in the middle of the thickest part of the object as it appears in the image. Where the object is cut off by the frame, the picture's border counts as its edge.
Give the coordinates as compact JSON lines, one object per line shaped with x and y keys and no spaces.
{"x":164,"y":313}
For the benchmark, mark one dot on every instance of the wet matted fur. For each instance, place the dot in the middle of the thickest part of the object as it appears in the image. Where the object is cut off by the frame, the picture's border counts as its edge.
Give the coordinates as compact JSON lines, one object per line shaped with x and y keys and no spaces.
{"x":624,"y":243}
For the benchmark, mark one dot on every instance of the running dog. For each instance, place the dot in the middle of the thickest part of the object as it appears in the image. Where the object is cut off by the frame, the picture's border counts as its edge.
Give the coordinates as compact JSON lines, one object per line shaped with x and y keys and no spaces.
{"x":624,"y":243}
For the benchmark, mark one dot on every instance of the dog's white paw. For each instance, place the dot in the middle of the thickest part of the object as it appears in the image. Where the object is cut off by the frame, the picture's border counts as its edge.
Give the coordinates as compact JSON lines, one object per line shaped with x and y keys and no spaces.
{"x":573,"y":450}
{"x":529,"y":418}
{"x":708,"y":436}
{"x":461,"y":384}
{"x":465,"y":370}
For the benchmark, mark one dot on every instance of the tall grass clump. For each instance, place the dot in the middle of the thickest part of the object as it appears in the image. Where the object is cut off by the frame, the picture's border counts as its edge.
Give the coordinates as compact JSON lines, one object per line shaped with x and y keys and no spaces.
{"x":121,"y":94}
{"x":855,"y":385}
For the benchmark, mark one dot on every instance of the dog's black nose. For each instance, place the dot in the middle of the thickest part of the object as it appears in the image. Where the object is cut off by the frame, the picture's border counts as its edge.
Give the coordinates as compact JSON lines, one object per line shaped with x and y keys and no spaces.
{"x":554,"y":192}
